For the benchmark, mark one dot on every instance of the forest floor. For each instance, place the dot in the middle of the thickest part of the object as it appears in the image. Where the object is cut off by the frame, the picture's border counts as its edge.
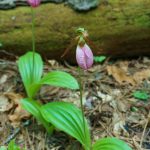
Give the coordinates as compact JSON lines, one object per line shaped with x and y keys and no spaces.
{"x":116,"y":99}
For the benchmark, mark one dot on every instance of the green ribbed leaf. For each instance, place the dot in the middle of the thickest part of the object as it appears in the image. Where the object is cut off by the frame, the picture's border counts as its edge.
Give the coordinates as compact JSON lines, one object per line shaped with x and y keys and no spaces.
{"x":30,"y":72}
{"x":68,"y":118}
{"x":12,"y":146}
{"x":110,"y":144}
{"x":60,"y":79}
{"x":34,"y":107}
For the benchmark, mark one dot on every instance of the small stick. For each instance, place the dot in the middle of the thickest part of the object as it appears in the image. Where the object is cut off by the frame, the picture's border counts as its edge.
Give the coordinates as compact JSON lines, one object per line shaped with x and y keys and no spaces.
{"x":8,"y":53}
{"x":73,"y":41}
{"x":142,"y":138}
{"x":14,"y":134}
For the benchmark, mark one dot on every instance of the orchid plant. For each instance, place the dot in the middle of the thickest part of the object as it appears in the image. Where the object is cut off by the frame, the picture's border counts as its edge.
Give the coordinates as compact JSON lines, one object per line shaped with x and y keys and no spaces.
{"x":31,"y":70}
{"x":70,"y":119}
{"x":62,"y":115}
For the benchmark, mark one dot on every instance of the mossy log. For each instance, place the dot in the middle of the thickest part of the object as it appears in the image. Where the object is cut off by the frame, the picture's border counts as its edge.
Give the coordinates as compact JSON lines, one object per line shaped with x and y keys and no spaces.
{"x":119,"y":28}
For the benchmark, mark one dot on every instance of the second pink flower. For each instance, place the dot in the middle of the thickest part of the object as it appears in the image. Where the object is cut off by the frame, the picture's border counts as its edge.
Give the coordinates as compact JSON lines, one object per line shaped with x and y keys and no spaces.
{"x":34,"y":3}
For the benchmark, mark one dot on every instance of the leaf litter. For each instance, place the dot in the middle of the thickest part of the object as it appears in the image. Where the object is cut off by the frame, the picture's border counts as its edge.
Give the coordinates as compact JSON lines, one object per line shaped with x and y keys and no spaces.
{"x":110,"y":106}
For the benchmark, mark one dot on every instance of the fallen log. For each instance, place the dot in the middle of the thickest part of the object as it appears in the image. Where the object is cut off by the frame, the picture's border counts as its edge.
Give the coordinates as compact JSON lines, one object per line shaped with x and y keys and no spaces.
{"x":78,"y":5}
{"x":118,"y":28}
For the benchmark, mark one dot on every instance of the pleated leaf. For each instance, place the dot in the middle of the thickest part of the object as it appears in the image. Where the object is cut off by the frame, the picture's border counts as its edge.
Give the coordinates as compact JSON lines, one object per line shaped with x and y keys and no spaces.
{"x":12,"y":146}
{"x":68,"y":118}
{"x":34,"y":88}
{"x":34,"y":107}
{"x":110,"y":144}
{"x":30,"y":72}
{"x":60,"y":79}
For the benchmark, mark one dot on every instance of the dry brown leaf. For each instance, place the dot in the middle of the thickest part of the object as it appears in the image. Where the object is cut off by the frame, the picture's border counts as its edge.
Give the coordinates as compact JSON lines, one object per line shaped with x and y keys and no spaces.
{"x":120,"y":75}
{"x":122,"y":106}
{"x":141,"y":75}
{"x":105,"y":97}
{"x":3,"y":119}
{"x":124,"y":65}
{"x":3,"y":79}
{"x":136,"y":117}
{"x":19,"y":113}
{"x":5,"y":104}
{"x":53,"y":63}
{"x":118,"y":124}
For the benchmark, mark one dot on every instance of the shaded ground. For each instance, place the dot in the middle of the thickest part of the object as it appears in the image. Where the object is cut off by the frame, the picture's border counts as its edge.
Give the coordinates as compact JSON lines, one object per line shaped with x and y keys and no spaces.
{"x":110,"y":105}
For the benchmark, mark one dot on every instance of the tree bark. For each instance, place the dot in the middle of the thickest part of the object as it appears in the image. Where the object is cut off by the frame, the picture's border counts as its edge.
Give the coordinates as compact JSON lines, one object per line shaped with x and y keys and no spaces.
{"x":119,"y":28}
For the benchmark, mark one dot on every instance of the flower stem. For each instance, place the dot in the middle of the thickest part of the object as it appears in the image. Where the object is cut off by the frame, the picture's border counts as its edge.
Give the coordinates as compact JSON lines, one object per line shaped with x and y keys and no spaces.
{"x":82,"y":107}
{"x":81,"y":100}
{"x":33,"y":40}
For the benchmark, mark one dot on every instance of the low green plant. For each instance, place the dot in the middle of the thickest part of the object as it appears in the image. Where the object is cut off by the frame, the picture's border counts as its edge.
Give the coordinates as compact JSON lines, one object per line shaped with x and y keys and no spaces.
{"x":68,"y":118}
{"x":11,"y":146}
{"x":32,"y":79}
{"x":31,"y":71}
{"x":141,"y":95}
{"x":99,"y":59}
{"x":3,"y":148}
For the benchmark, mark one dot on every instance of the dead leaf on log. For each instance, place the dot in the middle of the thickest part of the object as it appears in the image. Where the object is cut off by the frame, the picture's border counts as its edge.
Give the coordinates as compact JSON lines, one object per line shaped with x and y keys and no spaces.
{"x":19,"y":113}
{"x":120,"y":75}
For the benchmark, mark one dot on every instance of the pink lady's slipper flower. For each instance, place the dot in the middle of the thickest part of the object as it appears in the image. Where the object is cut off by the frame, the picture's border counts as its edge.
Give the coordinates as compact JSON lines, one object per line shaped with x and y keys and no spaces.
{"x":84,"y":56}
{"x":34,"y":3}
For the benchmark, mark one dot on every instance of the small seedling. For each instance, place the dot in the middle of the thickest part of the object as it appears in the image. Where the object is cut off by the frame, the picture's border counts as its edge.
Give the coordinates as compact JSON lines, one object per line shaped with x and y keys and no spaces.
{"x":3,"y":148}
{"x":141,"y":95}
{"x":11,"y":146}
{"x":99,"y":59}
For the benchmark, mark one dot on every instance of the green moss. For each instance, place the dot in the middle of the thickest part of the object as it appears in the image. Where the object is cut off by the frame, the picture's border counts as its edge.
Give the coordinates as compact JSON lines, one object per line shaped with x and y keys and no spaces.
{"x":143,"y":21}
